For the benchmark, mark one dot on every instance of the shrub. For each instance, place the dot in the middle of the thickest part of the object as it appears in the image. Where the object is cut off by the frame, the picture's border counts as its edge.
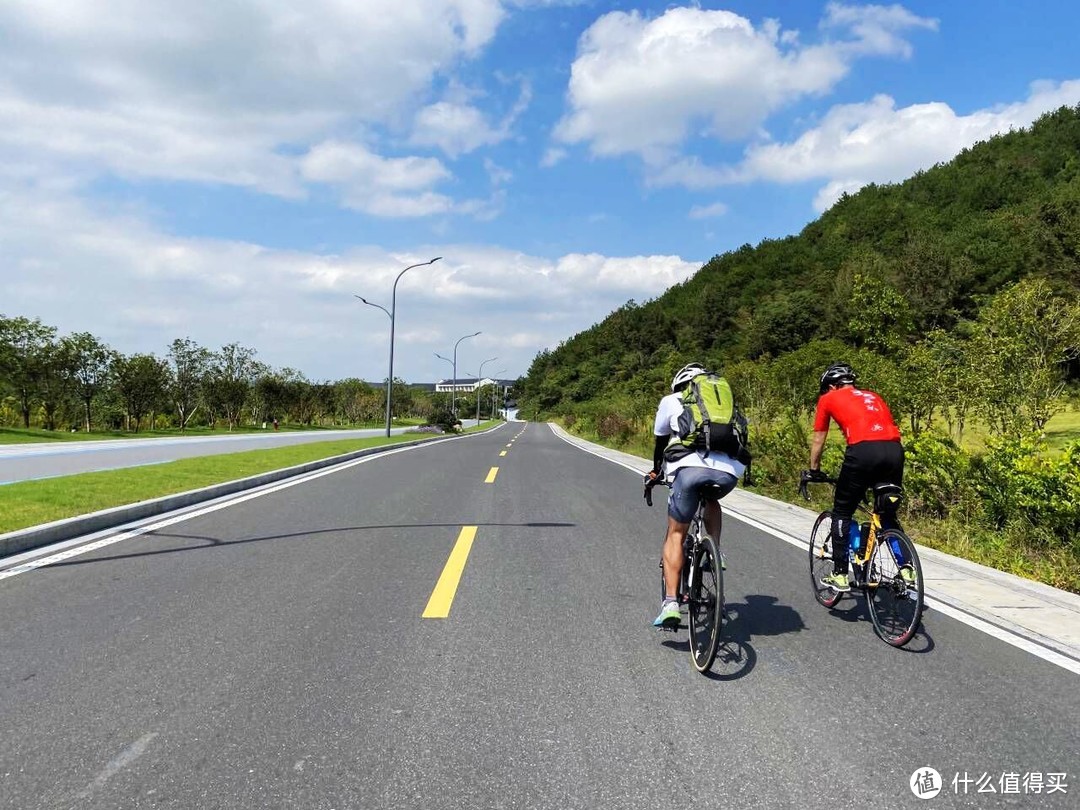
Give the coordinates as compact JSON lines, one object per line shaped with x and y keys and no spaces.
{"x":935,"y":475}
{"x":444,"y":419}
{"x":1017,"y":483}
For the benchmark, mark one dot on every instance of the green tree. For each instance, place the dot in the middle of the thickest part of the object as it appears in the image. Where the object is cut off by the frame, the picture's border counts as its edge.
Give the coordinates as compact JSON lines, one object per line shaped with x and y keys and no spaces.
{"x":190,"y":364}
{"x":1025,"y":337}
{"x":90,"y":362}
{"x":24,"y":349}
{"x":141,"y":382}
{"x":880,"y":316}
{"x":228,"y":381}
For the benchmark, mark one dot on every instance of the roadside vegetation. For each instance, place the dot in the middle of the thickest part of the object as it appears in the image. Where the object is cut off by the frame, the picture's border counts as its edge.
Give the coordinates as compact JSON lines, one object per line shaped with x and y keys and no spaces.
{"x":31,"y":503}
{"x":55,"y":387}
{"x":955,"y":294}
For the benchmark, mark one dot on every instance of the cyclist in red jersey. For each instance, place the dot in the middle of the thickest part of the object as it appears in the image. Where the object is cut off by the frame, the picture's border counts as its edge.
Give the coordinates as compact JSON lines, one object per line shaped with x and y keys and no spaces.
{"x":874,"y":454}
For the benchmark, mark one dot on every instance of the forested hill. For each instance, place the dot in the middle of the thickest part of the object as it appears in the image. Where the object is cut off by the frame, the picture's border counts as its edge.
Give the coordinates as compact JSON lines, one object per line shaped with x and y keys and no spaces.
{"x":910,"y":257}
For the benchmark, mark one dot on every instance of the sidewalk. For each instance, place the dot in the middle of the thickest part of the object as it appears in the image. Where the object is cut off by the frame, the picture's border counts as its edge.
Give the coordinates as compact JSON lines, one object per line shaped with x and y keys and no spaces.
{"x":1027,"y":614}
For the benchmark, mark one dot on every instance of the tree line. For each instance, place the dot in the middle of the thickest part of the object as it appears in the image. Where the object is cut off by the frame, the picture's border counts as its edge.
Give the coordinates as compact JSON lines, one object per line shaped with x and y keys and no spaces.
{"x":77,"y":381}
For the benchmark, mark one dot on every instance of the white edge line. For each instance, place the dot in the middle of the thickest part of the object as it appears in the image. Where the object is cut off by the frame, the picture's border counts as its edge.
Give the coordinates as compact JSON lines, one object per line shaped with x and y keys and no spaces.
{"x":78,"y":550}
{"x":1008,"y":636}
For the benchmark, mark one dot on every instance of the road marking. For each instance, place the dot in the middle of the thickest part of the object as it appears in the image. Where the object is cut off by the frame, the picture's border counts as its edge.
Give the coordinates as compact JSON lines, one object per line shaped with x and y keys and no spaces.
{"x":438,"y":606}
{"x":491,"y":475}
{"x":66,"y":549}
{"x":122,"y":760}
{"x":503,"y":453}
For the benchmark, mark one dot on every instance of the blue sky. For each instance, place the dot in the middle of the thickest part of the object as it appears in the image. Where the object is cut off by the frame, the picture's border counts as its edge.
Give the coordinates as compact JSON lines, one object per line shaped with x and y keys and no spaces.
{"x":238,"y":171}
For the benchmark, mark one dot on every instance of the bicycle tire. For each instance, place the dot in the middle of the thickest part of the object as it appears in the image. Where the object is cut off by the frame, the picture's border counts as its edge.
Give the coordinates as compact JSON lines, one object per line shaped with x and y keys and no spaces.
{"x":705,"y":607}
{"x":895,"y":606}
{"x":821,"y":563}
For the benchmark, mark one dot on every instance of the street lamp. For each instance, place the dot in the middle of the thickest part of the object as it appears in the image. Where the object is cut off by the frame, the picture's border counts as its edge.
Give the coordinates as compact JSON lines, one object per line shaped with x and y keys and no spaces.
{"x":495,"y":390}
{"x":453,"y":394}
{"x":479,"y":377}
{"x":448,"y":360}
{"x":392,"y":313}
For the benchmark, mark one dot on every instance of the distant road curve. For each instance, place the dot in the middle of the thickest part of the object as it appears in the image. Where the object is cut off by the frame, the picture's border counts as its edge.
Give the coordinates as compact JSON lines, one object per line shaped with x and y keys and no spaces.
{"x":25,"y":462}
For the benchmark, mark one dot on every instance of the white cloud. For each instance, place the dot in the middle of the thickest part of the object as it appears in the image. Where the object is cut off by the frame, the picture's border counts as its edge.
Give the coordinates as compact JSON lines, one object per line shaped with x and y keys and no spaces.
{"x":458,"y":127}
{"x":297,"y":308}
{"x":219,"y":92}
{"x":717,"y":209}
{"x":392,"y":187}
{"x":641,"y":85}
{"x":552,"y":157}
{"x":857,"y":144}
{"x":875,"y":27}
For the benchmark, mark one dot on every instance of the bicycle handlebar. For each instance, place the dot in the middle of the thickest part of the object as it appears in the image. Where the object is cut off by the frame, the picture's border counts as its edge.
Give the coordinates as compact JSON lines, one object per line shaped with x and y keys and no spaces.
{"x":653,"y":482}
{"x":812,"y":477}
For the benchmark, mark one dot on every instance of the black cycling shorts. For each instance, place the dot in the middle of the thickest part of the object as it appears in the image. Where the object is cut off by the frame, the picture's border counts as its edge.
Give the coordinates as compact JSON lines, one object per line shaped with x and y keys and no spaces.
{"x":866,"y":464}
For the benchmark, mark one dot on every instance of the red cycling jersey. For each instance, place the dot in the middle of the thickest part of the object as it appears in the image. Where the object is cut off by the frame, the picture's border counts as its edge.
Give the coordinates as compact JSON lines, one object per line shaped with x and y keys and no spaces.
{"x":862,"y":415}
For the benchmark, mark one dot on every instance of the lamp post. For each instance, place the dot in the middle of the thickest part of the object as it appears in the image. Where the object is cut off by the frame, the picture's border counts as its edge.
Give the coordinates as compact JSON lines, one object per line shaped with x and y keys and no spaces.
{"x":448,"y":360}
{"x":479,"y":377}
{"x":392,"y":312}
{"x":495,"y":390}
{"x":453,"y":390}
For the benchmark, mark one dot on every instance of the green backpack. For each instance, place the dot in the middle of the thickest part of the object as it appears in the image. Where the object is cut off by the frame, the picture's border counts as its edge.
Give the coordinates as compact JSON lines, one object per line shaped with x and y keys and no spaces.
{"x":710,"y":421}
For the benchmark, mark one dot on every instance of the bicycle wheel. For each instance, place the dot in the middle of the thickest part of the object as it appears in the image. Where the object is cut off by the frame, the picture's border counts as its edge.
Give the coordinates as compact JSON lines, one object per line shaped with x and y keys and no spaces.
{"x":706,"y":604}
{"x":894,"y":588}
{"x":821,"y":562}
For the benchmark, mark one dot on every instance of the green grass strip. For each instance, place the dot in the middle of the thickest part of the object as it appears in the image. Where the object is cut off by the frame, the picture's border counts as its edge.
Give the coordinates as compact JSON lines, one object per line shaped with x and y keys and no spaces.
{"x":31,"y":503}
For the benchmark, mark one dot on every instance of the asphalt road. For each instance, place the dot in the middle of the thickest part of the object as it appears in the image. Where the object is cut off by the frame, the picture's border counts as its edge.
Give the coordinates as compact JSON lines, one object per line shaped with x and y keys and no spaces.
{"x":23,"y":462}
{"x":275,"y":654}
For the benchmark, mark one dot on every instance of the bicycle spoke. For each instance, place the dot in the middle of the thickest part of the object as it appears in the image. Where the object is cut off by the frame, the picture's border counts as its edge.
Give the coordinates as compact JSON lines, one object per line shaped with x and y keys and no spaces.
{"x":821,"y":563}
{"x":896,"y":598}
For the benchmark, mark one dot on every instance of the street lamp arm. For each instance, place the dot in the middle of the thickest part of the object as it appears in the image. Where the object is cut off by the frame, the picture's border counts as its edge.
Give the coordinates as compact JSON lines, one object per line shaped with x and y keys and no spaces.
{"x":373,"y":304}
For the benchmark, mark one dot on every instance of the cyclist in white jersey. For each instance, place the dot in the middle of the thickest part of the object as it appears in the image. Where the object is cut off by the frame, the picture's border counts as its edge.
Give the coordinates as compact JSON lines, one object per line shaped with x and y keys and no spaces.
{"x":687,"y":475}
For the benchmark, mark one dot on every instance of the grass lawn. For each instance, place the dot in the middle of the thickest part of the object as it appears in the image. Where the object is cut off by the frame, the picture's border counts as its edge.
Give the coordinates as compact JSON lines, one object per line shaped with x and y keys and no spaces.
{"x":1063,"y":428}
{"x":12,"y":435}
{"x":31,"y":503}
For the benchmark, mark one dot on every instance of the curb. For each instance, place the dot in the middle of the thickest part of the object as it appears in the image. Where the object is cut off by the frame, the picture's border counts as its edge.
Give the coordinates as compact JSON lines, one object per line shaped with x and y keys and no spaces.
{"x":48,"y":533}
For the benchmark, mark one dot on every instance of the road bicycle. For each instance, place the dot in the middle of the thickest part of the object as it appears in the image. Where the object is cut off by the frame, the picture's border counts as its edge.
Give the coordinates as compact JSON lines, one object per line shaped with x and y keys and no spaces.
{"x":701,"y":581}
{"x":884,"y":567}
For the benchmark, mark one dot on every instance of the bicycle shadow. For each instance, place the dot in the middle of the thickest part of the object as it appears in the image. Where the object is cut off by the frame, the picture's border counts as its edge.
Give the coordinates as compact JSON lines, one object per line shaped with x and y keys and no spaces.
{"x":854,"y":609}
{"x":759,"y":615}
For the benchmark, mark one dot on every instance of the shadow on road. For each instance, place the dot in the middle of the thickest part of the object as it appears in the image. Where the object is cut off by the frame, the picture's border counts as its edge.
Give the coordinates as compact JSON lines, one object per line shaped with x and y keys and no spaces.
{"x":759,"y":615}
{"x":214,"y":542}
{"x":853,"y":608}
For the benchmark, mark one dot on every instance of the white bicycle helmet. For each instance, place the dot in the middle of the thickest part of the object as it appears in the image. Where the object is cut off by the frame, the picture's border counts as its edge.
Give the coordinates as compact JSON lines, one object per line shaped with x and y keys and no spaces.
{"x":836,"y":374}
{"x":685,"y":375}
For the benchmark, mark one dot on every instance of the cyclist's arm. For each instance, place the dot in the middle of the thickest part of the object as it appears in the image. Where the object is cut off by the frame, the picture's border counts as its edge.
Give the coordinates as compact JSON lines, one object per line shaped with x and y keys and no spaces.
{"x":821,"y":430}
{"x":658,"y":454}
{"x":817,"y":445}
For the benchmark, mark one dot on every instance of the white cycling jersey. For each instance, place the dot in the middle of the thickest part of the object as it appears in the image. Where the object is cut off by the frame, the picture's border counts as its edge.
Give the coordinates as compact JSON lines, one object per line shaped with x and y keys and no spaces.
{"x":667,"y":424}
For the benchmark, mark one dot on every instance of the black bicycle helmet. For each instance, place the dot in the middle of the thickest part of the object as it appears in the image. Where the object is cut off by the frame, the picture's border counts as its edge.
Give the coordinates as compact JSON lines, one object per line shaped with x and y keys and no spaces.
{"x":837,"y":374}
{"x":685,"y":375}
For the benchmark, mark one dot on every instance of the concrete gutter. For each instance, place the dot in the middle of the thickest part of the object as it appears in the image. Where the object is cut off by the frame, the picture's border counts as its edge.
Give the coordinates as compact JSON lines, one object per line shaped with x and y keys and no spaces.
{"x":61,"y":530}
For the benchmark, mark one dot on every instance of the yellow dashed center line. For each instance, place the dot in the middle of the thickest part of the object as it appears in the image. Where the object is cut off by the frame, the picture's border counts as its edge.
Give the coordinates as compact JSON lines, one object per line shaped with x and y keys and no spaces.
{"x":438,"y":606}
{"x":503,"y":453}
{"x":491,"y":475}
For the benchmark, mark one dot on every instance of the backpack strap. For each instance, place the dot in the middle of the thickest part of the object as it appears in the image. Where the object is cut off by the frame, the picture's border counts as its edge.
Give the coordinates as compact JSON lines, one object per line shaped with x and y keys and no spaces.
{"x":705,"y":419}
